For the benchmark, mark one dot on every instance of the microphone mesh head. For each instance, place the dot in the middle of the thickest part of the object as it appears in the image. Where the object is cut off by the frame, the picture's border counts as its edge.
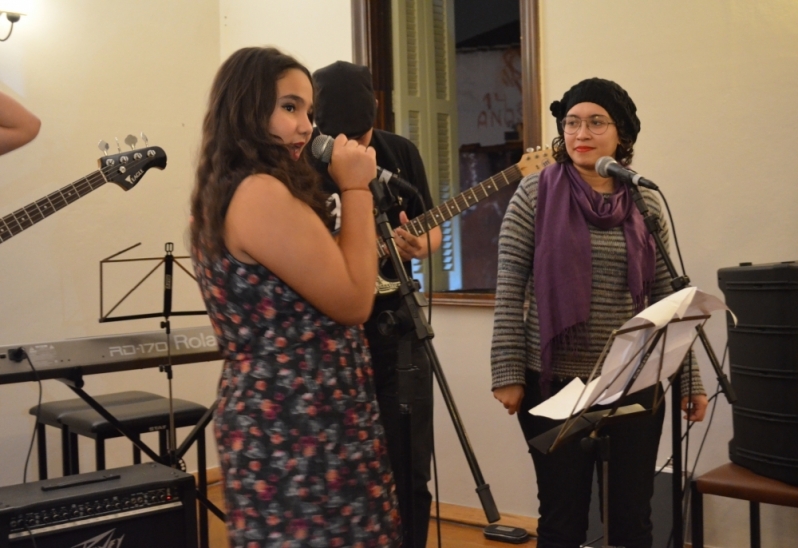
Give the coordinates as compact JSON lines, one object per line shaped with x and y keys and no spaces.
{"x":322,"y":148}
{"x":602,"y":164}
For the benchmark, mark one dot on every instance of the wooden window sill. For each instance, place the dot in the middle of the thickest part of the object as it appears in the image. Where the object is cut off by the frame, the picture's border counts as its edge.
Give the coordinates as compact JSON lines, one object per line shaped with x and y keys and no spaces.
{"x":456,"y":298}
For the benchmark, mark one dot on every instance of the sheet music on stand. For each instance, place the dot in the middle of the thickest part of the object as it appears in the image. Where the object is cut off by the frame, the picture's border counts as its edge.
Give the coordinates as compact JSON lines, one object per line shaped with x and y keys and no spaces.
{"x":647,"y":349}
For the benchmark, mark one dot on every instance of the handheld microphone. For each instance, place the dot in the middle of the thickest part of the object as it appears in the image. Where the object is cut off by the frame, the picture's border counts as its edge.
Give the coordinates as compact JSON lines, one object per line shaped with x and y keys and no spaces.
{"x":322,"y":148}
{"x":608,"y":167}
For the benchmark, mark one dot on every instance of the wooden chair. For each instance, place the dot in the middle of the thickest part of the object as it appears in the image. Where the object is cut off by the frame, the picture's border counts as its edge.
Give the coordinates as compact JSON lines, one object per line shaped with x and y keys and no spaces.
{"x":737,"y":482}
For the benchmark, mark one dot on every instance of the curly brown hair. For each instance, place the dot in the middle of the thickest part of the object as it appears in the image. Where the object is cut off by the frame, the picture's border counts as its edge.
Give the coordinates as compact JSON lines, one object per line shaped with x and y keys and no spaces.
{"x":236,"y":143}
{"x":623,"y":153}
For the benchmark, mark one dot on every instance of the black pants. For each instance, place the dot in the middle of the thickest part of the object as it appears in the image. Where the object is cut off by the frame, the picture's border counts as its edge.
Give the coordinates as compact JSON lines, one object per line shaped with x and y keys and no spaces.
{"x":385,"y":377}
{"x":565,"y":476}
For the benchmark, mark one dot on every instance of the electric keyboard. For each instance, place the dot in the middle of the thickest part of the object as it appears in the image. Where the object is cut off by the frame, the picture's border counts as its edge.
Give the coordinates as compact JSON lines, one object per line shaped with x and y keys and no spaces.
{"x":73,"y":358}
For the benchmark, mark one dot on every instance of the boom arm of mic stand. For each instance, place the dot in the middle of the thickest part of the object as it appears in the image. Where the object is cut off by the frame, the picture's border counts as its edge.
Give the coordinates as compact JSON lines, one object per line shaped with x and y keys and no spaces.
{"x":412,"y":302}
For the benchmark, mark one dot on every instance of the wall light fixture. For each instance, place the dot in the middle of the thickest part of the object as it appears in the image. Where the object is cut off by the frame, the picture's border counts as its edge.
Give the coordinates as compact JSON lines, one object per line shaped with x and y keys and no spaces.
{"x":12,"y":17}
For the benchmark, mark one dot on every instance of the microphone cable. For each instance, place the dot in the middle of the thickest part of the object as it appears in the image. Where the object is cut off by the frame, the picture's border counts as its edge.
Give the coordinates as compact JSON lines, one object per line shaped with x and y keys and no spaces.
{"x":673,"y":229}
{"x":17,"y":355}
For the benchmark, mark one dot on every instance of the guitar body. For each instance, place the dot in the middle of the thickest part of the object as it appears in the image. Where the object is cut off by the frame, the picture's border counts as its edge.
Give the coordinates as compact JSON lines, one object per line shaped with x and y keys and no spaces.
{"x":531,"y":162}
{"x":125,"y":169}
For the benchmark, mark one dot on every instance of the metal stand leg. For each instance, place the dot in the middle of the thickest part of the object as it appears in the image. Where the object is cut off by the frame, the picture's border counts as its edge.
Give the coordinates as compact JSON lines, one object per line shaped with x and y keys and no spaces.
{"x":202,"y":477}
{"x":197,"y":435}
{"x":676,"y":444}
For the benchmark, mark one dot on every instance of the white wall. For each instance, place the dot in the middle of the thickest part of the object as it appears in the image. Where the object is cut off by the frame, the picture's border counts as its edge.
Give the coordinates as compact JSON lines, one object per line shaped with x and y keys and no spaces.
{"x":96,"y":70}
{"x":92,"y":70}
{"x":316,"y":32}
{"x":713,"y":81}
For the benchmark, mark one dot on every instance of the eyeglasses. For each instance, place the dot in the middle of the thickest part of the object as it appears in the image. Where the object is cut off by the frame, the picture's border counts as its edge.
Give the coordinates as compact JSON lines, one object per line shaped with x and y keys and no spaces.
{"x":597,"y":125}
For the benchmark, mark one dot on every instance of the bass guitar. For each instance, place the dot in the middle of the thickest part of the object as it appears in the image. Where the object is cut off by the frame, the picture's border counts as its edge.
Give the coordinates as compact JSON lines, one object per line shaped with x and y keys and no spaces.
{"x":125,"y":169}
{"x":532,"y":161}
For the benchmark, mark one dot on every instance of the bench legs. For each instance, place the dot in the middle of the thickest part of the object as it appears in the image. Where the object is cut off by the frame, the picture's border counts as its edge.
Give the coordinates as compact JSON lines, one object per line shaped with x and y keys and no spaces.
{"x":697,"y":515}
{"x":754,"y":524}
{"x":41,"y":450}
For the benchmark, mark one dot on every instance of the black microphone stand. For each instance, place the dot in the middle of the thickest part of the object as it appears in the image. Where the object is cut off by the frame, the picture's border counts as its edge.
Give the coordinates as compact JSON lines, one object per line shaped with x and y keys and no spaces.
{"x":410,"y":324}
{"x":678,"y":283}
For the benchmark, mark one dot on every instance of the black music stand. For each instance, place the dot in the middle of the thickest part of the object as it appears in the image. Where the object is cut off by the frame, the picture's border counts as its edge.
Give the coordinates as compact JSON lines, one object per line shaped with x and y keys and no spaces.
{"x":620,"y":382}
{"x":168,"y":260}
{"x":175,"y":453}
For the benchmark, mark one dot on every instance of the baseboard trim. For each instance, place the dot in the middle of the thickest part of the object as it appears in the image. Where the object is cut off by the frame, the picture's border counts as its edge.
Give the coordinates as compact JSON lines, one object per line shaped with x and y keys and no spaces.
{"x":449,"y":512}
{"x":212,"y":475}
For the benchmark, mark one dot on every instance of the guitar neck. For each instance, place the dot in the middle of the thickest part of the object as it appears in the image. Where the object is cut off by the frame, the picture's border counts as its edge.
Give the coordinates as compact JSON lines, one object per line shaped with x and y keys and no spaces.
{"x":26,"y":217}
{"x":454,"y":206}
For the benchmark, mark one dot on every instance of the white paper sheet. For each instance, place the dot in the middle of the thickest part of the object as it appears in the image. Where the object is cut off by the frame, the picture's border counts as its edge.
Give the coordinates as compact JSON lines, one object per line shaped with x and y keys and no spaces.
{"x":561,"y":406}
{"x":628,"y":349}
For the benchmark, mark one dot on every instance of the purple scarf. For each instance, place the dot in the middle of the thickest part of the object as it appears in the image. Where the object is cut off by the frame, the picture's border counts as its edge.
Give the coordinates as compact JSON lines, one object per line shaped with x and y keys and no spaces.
{"x":563,"y":257}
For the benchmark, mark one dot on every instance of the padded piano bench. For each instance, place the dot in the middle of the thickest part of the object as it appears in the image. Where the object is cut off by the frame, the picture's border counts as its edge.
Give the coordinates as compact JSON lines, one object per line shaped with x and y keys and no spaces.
{"x":140,"y":412}
{"x":737,"y":482}
{"x":51,"y":413}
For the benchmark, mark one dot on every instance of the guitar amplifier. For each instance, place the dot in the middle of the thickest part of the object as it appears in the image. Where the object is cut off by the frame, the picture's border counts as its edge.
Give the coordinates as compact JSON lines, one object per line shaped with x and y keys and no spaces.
{"x":143,"y":505}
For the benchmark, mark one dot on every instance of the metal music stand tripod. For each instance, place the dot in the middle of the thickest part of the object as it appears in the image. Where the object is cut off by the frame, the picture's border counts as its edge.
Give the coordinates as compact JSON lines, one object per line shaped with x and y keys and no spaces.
{"x":174,"y":453}
{"x":679,"y":282}
{"x":410,"y":324}
{"x":625,"y":377}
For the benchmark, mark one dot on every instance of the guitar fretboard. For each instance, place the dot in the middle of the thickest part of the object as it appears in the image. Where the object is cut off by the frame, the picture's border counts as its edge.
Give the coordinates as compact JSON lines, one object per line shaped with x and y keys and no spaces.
{"x":23,"y":218}
{"x":438,"y":215}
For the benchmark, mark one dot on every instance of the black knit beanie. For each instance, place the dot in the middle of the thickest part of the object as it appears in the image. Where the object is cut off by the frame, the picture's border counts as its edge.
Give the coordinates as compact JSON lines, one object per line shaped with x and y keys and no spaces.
{"x":344,"y":100}
{"x":605,"y":93}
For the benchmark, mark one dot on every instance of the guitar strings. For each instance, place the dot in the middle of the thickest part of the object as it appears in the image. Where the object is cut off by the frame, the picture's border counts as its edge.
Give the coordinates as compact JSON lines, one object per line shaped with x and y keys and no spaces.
{"x":82,"y":186}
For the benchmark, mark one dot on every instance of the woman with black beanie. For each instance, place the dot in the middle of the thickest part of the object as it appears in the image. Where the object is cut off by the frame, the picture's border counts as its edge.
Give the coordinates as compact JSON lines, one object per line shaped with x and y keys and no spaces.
{"x":575,"y":248}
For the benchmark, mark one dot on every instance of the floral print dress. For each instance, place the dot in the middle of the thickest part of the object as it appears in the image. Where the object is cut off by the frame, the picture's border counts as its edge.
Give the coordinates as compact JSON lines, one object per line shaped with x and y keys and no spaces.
{"x":301,"y":449}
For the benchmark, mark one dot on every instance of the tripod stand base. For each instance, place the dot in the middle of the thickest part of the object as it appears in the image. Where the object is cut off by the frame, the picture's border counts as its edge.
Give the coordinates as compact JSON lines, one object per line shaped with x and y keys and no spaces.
{"x":504,"y":533}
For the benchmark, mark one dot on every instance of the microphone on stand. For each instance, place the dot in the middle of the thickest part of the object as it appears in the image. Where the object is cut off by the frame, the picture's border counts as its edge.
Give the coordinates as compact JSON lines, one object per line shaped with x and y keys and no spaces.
{"x":606,"y":166}
{"x":322,"y":148}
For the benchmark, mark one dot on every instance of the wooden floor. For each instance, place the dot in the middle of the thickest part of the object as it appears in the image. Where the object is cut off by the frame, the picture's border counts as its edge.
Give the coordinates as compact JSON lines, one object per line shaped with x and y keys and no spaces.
{"x":454,"y":535}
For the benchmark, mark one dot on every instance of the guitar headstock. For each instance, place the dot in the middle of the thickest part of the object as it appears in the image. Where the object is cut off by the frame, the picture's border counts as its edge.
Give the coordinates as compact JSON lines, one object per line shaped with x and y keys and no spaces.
{"x":535,"y":160}
{"x":126,"y":168}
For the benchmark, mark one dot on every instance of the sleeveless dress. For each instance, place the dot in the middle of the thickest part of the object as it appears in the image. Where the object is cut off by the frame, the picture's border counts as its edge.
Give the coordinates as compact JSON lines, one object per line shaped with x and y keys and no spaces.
{"x":301,"y":448}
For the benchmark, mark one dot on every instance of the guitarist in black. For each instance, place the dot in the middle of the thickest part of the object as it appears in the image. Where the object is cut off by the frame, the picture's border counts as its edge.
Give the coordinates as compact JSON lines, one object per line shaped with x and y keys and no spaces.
{"x":345,"y":103}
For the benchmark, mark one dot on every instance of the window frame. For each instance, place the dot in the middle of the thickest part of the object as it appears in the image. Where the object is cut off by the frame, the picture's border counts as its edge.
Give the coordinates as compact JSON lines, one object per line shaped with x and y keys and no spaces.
{"x":369,"y":49}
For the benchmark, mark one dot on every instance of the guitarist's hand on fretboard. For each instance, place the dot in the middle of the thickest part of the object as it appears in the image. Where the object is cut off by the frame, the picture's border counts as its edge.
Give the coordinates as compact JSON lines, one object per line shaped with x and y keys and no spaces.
{"x":415,"y":247}
{"x":532,"y":161}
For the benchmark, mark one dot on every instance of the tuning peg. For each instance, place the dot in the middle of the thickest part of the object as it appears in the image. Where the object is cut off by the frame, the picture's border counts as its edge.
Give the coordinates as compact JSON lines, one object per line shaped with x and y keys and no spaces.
{"x":131,"y":141}
{"x":146,"y":141}
{"x":118,"y":148}
{"x":103,"y":146}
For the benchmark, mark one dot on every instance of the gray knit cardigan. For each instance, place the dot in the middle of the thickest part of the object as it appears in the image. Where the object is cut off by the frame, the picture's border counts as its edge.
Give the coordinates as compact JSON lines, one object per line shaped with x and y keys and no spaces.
{"x":516,"y":335}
